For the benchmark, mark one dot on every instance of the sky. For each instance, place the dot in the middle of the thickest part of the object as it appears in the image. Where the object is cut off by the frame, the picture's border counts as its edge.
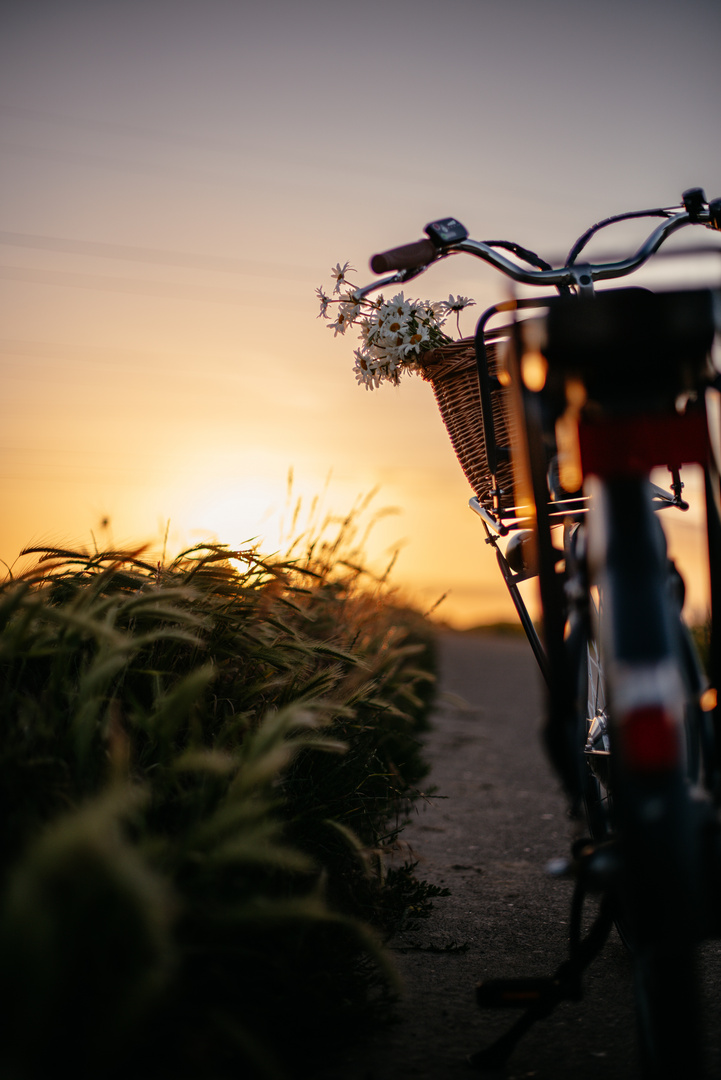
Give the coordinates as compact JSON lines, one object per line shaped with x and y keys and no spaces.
{"x":176,"y":180}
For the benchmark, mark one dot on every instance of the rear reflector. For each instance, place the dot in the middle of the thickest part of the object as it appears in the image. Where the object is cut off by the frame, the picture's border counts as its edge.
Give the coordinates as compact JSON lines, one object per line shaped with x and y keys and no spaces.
{"x":632,"y":445}
{"x":649,"y":738}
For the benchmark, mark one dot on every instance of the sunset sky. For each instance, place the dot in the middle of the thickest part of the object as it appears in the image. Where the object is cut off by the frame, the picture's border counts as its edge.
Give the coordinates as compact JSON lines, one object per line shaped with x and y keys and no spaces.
{"x":178,"y":176}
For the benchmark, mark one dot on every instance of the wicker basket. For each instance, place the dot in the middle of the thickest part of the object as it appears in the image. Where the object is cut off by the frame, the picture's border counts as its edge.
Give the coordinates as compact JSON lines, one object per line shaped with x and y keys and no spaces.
{"x":452,"y":372}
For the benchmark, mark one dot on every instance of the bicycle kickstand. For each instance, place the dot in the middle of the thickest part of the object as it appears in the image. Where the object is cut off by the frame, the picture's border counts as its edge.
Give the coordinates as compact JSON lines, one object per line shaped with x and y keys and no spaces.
{"x":539,"y":997}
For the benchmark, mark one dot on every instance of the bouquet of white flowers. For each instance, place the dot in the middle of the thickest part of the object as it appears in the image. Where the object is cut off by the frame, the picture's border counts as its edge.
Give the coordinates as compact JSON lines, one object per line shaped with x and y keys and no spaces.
{"x":393,"y":332}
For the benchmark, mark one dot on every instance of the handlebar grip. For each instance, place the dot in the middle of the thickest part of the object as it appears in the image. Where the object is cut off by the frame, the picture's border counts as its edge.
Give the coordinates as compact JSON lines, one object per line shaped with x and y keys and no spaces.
{"x":406,"y":257}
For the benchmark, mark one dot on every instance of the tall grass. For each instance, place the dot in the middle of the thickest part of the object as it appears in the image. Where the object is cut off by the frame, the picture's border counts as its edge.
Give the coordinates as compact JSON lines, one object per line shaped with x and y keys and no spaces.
{"x":203,"y":767}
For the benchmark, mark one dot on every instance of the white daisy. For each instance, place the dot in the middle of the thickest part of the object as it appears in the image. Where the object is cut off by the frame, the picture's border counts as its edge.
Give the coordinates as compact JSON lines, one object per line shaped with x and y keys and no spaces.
{"x":416,"y":340}
{"x":398,"y":309}
{"x":340,"y":324}
{"x":324,"y":301}
{"x":457,"y":303}
{"x":363,"y":371}
{"x":351,"y":309}
{"x":339,"y":273}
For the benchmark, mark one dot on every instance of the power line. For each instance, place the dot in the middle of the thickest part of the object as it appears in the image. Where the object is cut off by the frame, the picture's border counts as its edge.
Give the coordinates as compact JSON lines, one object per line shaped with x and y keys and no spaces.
{"x":135,"y":287}
{"x":115,"y":127}
{"x":155,"y":256}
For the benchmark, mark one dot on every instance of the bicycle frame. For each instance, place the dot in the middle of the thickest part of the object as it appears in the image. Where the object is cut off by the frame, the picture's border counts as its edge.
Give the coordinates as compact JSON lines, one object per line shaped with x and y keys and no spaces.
{"x":607,"y":387}
{"x":620,"y":445}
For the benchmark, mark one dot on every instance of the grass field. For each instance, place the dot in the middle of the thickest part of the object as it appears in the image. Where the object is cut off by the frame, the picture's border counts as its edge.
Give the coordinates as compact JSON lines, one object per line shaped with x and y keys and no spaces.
{"x":204,"y":767}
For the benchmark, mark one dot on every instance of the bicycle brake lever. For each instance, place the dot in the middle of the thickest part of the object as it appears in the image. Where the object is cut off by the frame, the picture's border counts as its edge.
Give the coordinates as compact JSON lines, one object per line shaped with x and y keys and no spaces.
{"x":398,"y":278}
{"x":714,"y":212}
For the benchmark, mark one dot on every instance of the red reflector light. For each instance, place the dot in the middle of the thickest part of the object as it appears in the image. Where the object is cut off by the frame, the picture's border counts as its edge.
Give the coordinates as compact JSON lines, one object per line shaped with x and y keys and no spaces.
{"x":629,"y":445}
{"x":650,"y":741}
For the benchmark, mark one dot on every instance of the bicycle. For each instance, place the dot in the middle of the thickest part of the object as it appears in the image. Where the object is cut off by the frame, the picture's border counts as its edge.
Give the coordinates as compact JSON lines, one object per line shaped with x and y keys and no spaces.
{"x":558,"y":423}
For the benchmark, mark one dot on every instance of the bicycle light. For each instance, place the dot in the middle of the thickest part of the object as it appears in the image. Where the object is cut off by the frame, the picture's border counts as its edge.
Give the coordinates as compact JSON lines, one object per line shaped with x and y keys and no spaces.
{"x":694,"y":201}
{"x":446,"y":231}
{"x":649,"y":739}
{"x":522,"y":552}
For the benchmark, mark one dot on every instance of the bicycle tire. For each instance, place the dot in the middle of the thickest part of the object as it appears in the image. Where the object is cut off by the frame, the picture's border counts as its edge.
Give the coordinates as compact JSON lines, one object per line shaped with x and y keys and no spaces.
{"x":652,"y":913}
{"x":593,"y":724}
{"x":667,"y":1013}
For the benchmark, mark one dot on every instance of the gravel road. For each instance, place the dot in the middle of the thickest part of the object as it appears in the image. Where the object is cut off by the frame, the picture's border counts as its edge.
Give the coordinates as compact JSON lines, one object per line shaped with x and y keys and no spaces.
{"x":499,"y":820}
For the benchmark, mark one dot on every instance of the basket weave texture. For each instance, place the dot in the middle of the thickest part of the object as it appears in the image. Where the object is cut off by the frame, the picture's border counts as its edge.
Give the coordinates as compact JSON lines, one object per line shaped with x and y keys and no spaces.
{"x":452,"y":372}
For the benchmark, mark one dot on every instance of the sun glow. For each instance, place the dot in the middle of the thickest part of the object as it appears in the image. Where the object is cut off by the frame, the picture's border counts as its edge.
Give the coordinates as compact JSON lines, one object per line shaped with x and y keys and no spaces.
{"x":236,"y":514}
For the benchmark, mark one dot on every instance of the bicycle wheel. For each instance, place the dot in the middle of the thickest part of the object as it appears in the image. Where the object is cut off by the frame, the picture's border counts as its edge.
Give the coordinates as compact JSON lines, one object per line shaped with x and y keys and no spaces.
{"x":662,"y":887}
{"x":594,"y":723}
{"x":667,"y":1013}
{"x":638,"y":788}
{"x":666,"y":986}
{"x":594,"y":734}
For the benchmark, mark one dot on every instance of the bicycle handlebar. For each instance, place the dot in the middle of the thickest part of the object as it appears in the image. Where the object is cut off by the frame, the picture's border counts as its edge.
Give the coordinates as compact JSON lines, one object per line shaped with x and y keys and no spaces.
{"x":406,"y":257}
{"x":575,"y":273}
{"x":409,"y":260}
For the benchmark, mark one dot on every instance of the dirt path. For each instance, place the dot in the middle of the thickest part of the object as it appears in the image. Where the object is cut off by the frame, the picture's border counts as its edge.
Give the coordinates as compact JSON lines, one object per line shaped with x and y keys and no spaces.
{"x":502,"y":818}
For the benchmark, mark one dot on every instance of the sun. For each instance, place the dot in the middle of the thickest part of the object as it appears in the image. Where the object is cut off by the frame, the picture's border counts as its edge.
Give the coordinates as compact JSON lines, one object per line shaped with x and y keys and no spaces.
{"x":234,"y":513}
